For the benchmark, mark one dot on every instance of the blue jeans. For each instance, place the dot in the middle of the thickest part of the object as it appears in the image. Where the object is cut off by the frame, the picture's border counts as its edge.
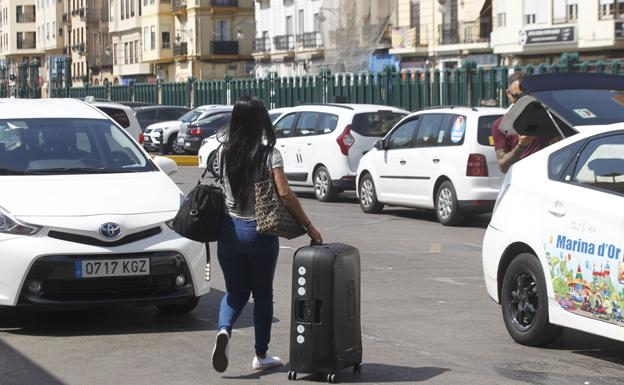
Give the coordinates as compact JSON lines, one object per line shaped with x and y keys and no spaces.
{"x":248,"y":261}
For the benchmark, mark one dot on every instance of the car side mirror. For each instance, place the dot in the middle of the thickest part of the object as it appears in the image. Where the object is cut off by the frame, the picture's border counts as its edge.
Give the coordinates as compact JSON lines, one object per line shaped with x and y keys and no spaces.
{"x":380,"y":145}
{"x":166,"y":165}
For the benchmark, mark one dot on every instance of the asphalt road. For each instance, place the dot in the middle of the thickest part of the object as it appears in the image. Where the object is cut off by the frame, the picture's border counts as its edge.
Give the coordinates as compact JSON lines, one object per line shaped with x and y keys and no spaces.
{"x":426,"y":318}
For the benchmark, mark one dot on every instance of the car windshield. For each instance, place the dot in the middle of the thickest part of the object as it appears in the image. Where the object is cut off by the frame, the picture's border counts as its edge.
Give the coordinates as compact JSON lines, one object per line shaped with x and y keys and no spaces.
{"x":191,"y":116}
{"x":67,"y":146}
{"x":375,"y":124}
{"x":585,"y":107}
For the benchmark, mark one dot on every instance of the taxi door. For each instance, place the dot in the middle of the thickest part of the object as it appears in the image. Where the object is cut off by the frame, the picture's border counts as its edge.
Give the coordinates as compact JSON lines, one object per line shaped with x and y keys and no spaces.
{"x":583,"y":227}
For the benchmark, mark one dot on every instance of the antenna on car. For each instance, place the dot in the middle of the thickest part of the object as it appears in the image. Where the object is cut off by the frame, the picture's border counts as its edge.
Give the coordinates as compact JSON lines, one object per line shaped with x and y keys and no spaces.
{"x":89,"y":99}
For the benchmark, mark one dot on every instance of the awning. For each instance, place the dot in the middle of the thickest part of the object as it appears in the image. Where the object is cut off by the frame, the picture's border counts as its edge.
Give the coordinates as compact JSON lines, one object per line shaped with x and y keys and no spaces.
{"x":472,"y":13}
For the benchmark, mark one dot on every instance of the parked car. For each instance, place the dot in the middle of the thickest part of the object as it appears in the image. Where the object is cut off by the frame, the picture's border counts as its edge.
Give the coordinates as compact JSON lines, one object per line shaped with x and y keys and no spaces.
{"x":441,"y":158}
{"x":322,"y":144}
{"x":207,"y":150}
{"x":79,"y":225}
{"x":124,"y":116}
{"x":170,"y":129}
{"x":552,"y":254}
{"x":147,"y":115}
{"x":194,"y":133}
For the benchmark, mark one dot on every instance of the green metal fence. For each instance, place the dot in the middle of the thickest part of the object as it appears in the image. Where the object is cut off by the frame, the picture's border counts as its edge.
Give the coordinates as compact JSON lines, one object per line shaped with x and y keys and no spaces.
{"x":411,"y":90}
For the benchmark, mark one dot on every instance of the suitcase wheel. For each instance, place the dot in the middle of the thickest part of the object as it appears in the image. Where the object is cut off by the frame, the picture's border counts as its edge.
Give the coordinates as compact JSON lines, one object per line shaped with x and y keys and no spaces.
{"x":331,"y":378}
{"x":357,"y":368}
{"x":292,"y":375}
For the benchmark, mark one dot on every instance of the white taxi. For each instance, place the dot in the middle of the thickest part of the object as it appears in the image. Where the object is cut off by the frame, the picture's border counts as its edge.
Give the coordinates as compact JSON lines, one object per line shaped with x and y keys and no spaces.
{"x":553,"y":252}
{"x":79,"y":223}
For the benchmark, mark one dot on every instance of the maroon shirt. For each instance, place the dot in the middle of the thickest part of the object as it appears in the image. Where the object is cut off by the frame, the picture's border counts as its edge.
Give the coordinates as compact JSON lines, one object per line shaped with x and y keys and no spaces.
{"x":507,"y":143}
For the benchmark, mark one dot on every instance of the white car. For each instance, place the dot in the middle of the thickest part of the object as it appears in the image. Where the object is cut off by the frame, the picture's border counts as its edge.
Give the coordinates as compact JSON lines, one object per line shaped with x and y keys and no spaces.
{"x":440,"y":159}
{"x":124,"y":116}
{"x":170,"y":130}
{"x":322,"y":144}
{"x":79,"y":223}
{"x":553,"y":252}
{"x":210,"y":145}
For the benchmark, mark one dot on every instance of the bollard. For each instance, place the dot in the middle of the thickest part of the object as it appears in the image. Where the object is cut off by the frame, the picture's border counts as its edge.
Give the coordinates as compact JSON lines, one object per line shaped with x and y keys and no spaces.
{"x":162,"y":144}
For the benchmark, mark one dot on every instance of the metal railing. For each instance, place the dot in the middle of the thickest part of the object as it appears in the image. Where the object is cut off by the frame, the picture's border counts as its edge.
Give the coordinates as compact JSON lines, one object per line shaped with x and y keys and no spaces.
{"x":180,"y":49}
{"x":309,"y":40}
{"x":284,"y":42}
{"x":448,"y":34}
{"x":224,"y":3}
{"x":178,"y":5}
{"x":224,"y":47}
{"x":262,"y":44}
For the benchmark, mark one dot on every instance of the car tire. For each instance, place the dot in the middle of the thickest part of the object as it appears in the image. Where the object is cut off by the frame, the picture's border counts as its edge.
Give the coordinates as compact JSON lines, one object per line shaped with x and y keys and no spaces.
{"x":180,"y":308}
{"x":213,"y":165}
{"x":171,"y":146}
{"x":368,"y":196}
{"x":324,"y":190}
{"x":524,"y":286}
{"x":446,"y":205}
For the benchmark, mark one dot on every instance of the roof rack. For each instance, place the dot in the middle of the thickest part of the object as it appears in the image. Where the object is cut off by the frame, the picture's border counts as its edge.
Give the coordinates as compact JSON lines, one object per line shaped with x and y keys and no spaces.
{"x":327,"y":104}
{"x":447,"y":106}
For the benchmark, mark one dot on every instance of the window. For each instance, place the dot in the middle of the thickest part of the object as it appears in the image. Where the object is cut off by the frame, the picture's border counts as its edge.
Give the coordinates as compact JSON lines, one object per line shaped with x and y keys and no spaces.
{"x":166,"y":39}
{"x":611,"y":8}
{"x":145,"y":34}
{"x":327,"y":123}
{"x":117,"y":115}
{"x":484,"y":134}
{"x":529,"y":19}
{"x":431,"y":132}
{"x":115,"y":55}
{"x":153,"y":37}
{"x":375,"y":124}
{"x":306,"y":124}
{"x":301,"y":22}
{"x":53,"y":29}
{"x":136,"y":52}
{"x":601,"y":164}
{"x":122,"y":3}
{"x":415,"y":13}
{"x":25,"y":14}
{"x":283,"y":128}
{"x":557,"y":161}
{"x":224,"y":29}
{"x":125,"y":53}
{"x":26,"y":40}
{"x":289,"y":26}
{"x":403,"y":136}
{"x":534,"y":10}
{"x":317,"y":22}
{"x":131,"y":52}
{"x":128,"y":9}
{"x":132,"y":8}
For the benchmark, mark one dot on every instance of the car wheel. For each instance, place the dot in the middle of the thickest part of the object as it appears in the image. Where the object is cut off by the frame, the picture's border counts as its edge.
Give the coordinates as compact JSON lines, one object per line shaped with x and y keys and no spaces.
{"x":213,"y":165}
{"x":368,"y":196}
{"x":171,"y":147}
{"x":446,"y":205}
{"x":323,"y":187}
{"x":524,"y":302}
{"x":180,"y":308}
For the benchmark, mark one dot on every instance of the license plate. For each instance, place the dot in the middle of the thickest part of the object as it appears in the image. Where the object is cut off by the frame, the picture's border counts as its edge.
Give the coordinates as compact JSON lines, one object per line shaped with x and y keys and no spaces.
{"x":112,"y":268}
{"x":187,"y":145}
{"x":147,"y":138}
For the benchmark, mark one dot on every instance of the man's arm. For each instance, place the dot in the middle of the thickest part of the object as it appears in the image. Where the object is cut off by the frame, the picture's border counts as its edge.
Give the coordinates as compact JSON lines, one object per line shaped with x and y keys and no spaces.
{"x":506,"y":159}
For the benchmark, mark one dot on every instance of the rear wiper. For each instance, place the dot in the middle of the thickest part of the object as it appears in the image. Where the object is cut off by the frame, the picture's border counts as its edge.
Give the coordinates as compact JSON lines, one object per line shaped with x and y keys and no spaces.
{"x":6,"y":171}
{"x":70,"y":170}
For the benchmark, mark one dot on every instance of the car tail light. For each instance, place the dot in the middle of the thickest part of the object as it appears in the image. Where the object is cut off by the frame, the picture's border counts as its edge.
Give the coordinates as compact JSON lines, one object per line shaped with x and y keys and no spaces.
{"x":141,"y":138}
{"x":194,"y":130}
{"x":345,"y":140}
{"x":477,"y":165}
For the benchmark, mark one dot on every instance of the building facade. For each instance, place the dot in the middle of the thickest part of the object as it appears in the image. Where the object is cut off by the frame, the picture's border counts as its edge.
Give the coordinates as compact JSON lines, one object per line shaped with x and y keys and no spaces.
{"x":18,"y":36}
{"x":49,"y":42}
{"x":203,"y":39}
{"x":125,"y":29}
{"x":538,"y":31}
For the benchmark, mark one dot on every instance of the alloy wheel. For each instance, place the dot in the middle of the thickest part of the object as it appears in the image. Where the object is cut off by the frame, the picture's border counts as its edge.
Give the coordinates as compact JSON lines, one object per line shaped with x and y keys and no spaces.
{"x":366,"y":193}
{"x":321,"y":184}
{"x":445,"y":202}
{"x":523,"y":301}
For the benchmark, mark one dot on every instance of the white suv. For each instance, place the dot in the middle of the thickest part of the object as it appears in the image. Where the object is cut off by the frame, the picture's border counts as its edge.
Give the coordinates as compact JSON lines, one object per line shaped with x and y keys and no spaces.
{"x":322,"y":144}
{"x":440,"y":159}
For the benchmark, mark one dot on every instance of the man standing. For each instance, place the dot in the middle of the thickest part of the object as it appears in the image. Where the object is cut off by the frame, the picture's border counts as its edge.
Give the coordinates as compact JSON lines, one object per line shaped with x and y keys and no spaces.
{"x":512,"y":148}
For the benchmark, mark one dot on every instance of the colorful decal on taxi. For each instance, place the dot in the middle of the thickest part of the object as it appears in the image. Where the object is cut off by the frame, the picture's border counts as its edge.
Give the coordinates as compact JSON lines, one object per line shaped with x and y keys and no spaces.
{"x":459,"y":127}
{"x":588,"y":277}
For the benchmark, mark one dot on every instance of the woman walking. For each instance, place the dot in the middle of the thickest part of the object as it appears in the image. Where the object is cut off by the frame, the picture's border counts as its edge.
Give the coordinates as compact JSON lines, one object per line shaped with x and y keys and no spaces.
{"x":247,"y":258}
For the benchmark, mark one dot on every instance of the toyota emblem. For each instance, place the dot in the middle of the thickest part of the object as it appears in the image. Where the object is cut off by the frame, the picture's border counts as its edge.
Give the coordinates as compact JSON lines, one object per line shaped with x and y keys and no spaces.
{"x":110,"y":230}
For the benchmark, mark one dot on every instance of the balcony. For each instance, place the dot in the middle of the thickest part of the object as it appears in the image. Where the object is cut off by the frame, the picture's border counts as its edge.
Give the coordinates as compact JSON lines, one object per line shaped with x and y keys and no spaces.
{"x":180,"y":49}
{"x":448,"y":34}
{"x":224,"y":3}
{"x":309,"y":40}
{"x":284,"y":42}
{"x":262,"y":44}
{"x":178,"y":6}
{"x":477,"y":32}
{"x":82,"y":13}
{"x":224,"y":47}
{"x":65,"y":17}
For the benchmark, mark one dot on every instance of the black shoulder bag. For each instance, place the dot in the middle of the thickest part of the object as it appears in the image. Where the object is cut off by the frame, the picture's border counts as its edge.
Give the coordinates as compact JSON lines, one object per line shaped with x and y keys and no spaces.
{"x":200,"y":216}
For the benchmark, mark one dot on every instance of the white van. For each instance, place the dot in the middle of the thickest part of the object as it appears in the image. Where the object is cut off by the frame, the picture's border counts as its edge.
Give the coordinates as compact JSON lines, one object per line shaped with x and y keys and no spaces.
{"x":322,"y":144}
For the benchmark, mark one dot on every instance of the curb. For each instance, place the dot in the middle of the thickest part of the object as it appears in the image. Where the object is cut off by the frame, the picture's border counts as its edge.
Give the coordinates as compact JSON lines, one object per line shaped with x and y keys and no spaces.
{"x":183,"y":160}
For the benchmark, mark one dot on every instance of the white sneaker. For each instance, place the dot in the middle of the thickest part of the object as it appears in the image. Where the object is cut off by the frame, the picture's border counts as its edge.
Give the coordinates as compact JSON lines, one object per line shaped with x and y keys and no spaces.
{"x":220,"y":352}
{"x":266,"y":363}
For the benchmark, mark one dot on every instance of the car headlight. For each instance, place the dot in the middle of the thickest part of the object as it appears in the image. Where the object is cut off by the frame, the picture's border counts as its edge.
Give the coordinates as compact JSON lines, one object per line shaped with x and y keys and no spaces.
{"x":158,"y":130}
{"x":10,"y":225}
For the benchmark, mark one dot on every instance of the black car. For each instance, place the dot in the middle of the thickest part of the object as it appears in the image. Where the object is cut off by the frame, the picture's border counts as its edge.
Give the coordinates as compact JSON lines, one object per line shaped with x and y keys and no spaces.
{"x":198,"y":131}
{"x":147,"y":115}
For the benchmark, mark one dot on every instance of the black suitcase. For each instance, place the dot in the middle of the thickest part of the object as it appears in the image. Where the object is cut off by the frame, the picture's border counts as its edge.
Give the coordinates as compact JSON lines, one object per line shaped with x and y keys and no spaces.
{"x":325,"y":330}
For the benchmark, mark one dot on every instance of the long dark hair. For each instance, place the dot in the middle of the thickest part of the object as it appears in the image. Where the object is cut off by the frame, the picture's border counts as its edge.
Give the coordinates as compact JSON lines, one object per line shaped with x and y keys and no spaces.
{"x":244,"y":153}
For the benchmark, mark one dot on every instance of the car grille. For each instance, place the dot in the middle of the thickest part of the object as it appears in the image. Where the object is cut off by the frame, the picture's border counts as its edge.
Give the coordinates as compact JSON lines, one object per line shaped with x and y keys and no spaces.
{"x":106,"y":288}
{"x":86,"y":240}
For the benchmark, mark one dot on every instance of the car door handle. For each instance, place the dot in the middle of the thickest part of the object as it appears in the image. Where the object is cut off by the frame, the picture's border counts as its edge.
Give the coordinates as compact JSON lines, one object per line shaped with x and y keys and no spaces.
{"x":403,"y":162}
{"x":557,"y":210}
{"x":436,"y":160}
